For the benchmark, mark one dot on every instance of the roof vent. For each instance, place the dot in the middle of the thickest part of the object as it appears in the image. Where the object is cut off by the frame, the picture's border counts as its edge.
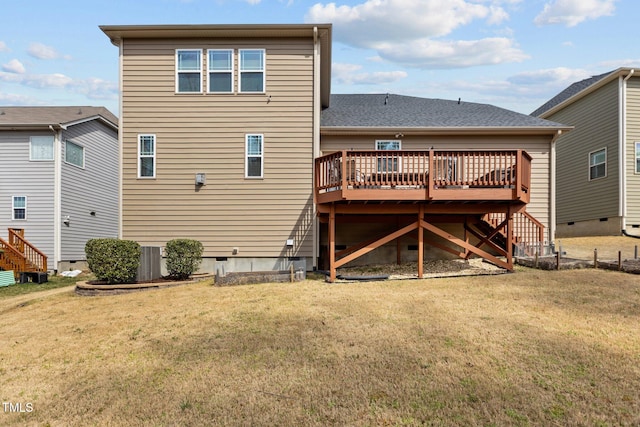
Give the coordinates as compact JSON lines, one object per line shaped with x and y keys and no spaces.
{"x":386,"y":99}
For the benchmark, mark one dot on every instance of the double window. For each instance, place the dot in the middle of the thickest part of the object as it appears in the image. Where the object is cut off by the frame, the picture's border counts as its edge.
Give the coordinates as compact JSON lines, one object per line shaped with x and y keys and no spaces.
{"x":74,"y":154}
{"x":188,"y":70}
{"x":220,"y":65}
{"x":19,"y":207}
{"x":598,"y":164}
{"x":220,"y":71}
{"x":254,"y":156}
{"x":41,"y":148}
{"x":146,"y":156}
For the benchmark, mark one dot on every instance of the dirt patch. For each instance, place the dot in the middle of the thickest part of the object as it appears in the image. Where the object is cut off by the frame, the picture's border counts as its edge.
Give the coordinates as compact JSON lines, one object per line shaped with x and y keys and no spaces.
{"x":432,"y":269}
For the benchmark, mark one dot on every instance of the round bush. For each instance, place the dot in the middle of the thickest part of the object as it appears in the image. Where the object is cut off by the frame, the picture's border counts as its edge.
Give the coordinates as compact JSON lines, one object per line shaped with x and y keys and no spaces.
{"x":183,"y":257}
{"x":113,"y":260}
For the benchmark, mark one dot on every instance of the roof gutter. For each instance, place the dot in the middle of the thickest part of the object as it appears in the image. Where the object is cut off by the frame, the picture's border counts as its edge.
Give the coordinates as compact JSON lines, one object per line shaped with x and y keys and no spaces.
{"x":479,"y":130}
{"x":622,"y":144}
{"x":57,"y":194}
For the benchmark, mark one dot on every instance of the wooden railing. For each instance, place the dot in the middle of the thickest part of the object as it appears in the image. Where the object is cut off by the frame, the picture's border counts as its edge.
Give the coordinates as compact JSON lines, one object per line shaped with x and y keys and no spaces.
{"x":528,"y":232}
{"x":35,"y":259}
{"x":433,"y":171}
{"x":18,"y":255}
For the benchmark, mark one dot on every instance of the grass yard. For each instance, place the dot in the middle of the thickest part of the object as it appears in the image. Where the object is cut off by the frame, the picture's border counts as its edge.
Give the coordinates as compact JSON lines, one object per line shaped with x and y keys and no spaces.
{"x":530,"y":348}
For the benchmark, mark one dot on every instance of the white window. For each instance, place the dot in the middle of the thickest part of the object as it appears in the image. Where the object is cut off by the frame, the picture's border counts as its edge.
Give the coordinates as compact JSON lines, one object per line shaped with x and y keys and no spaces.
{"x":41,"y":148}
{"x":188,"y":70}
{"x":388,"y":163}
{"x":146,"y":156}
{"x":598,"y":164}
{"x":19,"y":207}
{"x":220,"y":65}
{"x":74,"y":154}
{"x":637,"y":157}
{"x":252,"y":70}
{"x":253,"y":163}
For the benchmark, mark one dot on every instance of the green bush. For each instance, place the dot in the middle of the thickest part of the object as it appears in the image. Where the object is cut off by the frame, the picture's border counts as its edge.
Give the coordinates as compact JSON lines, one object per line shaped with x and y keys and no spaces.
{"x":183,"y":257}
{"x":113,"y":260}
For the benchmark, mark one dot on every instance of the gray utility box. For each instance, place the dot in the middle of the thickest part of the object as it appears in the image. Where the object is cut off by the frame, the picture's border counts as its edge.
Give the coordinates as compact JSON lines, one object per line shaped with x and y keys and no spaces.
{"x":149,"y":268}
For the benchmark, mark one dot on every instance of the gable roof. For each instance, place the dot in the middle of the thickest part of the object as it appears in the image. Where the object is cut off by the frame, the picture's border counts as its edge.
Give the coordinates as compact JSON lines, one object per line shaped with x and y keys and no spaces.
{"x":59,"y":117}
{"x":577,"y":90}
{"x":407,"y":114}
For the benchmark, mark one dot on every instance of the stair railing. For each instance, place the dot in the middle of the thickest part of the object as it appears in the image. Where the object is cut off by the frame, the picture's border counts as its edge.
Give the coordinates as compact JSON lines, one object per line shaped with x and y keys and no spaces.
{"x":35,"y":260}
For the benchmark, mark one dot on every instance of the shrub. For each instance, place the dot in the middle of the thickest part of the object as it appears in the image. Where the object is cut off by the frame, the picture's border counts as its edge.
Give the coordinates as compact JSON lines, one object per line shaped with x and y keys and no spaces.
{"x":113,"y":260}
{"x":183,"y":257}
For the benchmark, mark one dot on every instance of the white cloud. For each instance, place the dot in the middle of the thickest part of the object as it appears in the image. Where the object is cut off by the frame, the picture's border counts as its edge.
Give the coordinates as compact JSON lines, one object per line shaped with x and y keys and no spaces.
{"x":14,"y":66}
{"x":4,"y":47}
{"x":556,"y":77}
{"x":14,"y":99}
{"x":432,"y":54}
{"x":42,"y":51}
{"x":572,"y":12}
{"x":92,"y":88}
{"x":411,"y":31}
{"x":350,"y":74}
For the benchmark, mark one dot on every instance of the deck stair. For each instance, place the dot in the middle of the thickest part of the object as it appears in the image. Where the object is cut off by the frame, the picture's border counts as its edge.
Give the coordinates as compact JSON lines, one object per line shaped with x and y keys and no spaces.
{"x":20,"y":256}
{"x":528,"y":235}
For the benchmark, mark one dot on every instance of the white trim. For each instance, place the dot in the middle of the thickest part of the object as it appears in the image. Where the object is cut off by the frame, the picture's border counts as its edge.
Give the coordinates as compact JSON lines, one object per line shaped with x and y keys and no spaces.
{"x":317,"y":108}
{"x":210,"y":71}
{"x":194,"y":71}
{"x":246,"y":156}
{"x":146,"y":156}
{"x":57,"y":199}
{"x":13,"y":208}
{"x":263,"y":71}
{"x":120,"y":137}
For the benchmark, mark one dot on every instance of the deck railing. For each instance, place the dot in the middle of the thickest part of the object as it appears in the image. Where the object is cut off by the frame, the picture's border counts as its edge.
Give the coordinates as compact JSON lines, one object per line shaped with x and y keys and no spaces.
{"x":429,"y":170}
{"x":17,"y":247}
{"x":528,"y":232}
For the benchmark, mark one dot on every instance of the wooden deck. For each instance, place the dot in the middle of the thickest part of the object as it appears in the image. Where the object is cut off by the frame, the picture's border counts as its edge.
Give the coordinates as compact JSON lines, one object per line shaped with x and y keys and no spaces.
{"x":484,"y":191}
{"x":469,"y":176}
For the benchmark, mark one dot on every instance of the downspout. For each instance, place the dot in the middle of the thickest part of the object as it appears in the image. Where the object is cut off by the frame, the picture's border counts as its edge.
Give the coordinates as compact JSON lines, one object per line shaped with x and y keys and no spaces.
{"x":623,"y":151}
{"x":552,"y":184}
{"x":57,"y":197}
{"x":120,"y":138}
{"x":316,"y":141}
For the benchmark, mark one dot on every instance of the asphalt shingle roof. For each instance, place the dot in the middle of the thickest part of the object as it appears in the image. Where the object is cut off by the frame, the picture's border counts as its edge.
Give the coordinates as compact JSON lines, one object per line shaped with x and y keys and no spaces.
{"x":45,"y":116}
{"x":399,"y":111}
{"x":572,"y":90}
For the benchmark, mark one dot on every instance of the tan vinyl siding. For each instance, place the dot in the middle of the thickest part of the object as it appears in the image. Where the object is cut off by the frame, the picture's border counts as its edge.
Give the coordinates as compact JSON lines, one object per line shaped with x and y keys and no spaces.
{"x":537,"y":147}
{"x":206,"y":133}
{"x":633,"y":136}
{"x":595,"y":118}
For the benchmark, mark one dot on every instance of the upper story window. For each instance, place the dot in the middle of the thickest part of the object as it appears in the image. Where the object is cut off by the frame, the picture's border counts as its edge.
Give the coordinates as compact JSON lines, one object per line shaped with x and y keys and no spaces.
{"x":388,"y":163}
{"x":41,"y":148}
{"x":188,"y":70}
{"x":220,"y":66}
{"x":74,"y":154}
{"x":146,"y":156}
{"x":598,"y":164}
{"x":253,"y":163}
{"x":637,"y":157}
{"x":19,"y":207}
{"x":252,"y":73}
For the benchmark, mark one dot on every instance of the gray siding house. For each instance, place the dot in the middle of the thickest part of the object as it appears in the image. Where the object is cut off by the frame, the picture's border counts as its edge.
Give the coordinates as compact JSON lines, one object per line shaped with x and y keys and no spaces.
{"x":59,"y":178}
{"x":598,"y":163}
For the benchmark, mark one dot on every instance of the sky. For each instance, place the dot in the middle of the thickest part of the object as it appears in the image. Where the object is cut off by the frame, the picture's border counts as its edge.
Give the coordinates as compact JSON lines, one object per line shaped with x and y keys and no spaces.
{"x":514,"y":54}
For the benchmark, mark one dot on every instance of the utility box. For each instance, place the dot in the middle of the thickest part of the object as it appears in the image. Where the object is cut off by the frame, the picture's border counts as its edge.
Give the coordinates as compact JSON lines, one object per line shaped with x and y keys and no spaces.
{"x":149,"y":268}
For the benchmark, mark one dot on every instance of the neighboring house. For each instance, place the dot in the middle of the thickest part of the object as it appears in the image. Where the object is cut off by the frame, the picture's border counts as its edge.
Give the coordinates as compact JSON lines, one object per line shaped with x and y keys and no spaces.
{"x":58,"y":180}
{"x":598,"y":163}
{"x":230,"y":136}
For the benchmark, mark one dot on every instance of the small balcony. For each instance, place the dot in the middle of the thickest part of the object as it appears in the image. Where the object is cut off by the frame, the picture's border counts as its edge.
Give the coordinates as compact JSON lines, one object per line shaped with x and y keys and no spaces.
{"x":425,"y":176}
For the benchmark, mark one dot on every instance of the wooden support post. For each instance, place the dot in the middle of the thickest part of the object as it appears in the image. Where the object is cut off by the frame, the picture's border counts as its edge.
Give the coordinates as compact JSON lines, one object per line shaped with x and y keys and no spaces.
{"x":510,"y":238}
{"x":420,"y":244}
{"x":332,"y":243}
{"x":619,"y":260}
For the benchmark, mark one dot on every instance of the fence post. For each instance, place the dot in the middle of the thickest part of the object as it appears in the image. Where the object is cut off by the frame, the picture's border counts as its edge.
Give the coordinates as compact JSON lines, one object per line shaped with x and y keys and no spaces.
{"x":619,"y":260}
{"x":558,"y":260}
{"x":595,"y":258}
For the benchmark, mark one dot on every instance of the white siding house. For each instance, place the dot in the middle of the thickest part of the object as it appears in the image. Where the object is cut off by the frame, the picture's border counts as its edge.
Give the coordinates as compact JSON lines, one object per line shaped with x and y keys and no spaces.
{"x":59,"y":178}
